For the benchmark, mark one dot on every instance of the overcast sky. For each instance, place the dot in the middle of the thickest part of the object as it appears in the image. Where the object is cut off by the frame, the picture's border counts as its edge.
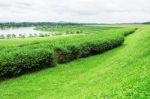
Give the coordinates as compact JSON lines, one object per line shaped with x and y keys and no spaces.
{"x":93,"y":11}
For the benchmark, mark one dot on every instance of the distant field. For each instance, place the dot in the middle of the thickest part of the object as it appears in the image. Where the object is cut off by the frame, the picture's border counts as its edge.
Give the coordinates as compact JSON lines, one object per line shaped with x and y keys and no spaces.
{"x":121,"y":72}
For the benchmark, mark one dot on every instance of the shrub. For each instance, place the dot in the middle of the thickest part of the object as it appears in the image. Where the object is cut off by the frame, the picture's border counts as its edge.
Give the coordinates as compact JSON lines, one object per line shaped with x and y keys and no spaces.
{"x":58,"y":33}
{"x":21,"y":35}
{"x":41,"y":35}
{"x":35,"y":35}
{"x":70,"y":52}
{"x":13,"y":36}
{"x":22,"y":61}
{"x":79,"y":31}
{"x":66,"y":54}
{"x":2,"y":36}
{"x":129,"y":32}
{"x":38,"y":55}
{"x":71,"y":32}
{"x":67,"y":32}
{"x":31,"y":35}
{"x":96,"y":47}
{"x":8,"y":36}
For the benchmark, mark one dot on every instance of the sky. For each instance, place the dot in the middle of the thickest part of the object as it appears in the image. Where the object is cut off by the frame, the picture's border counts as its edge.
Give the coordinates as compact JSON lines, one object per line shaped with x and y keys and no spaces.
{"x":83,"y":11}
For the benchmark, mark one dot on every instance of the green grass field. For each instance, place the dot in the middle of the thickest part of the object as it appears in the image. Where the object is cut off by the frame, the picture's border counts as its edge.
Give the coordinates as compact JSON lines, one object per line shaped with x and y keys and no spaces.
{"x":121,"y":73}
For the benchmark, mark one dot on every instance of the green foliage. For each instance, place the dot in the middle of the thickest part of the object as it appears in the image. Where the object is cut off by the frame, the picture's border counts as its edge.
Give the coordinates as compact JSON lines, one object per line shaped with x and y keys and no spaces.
{"x":31,"y":35}
{"x":21,"y":35}
{"x":67,"y":53}
{"x":29,"y":24}
{"x":71,"y":52}
{"x":129,"y":32}
{"x":121,"y":73}
{"x":13,"y":36}
{"x":22,"y":58}
{"x":8,"y":36}
{"x":25,"y":60}
{"x":2,"y":36}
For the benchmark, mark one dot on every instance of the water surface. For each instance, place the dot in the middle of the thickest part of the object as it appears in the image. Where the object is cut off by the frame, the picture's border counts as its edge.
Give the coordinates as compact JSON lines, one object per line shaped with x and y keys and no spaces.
{"x":26,"y":31}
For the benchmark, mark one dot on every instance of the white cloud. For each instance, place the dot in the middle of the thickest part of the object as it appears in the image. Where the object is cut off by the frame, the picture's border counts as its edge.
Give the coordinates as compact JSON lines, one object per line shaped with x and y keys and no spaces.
{"x":105,"y":11}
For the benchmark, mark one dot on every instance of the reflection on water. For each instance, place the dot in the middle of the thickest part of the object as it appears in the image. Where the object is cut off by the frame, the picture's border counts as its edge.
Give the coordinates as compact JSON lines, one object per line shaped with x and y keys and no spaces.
{"x":23,"y":31}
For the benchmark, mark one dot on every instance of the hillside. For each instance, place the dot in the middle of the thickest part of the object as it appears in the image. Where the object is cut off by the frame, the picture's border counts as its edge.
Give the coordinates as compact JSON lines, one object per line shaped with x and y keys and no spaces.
{"x":122,"y":72}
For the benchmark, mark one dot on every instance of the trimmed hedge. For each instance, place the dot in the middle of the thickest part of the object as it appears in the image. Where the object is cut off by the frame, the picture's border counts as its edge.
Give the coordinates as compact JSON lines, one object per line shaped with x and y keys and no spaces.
{"x":72,"y":52}
{"x":68,"y":53}
{"x":27,"y":58}
{"x":22,"y":61}
{"x":126,"y":33}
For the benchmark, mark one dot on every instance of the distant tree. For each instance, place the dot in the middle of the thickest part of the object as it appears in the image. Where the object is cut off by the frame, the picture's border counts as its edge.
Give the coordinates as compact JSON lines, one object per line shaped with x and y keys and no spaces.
{"x":8,"y":36}
{"x":41,"y":35}
{"x":67,"y":32}
{"x":71,"y":32}
{"x":58,"y":33}
{"x":13,"y":36}
{"x":37,"y":24}
{"x":48,"y":34}
{"x":30,"y":35}
{"x":2,"y":36}
{"x":79,"y":31}
{"x":35,"y":35}
{"x":21,"y":35}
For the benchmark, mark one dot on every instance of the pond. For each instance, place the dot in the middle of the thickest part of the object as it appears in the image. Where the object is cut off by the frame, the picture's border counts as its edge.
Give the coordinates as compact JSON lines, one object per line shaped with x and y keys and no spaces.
{"x":21,"y":32}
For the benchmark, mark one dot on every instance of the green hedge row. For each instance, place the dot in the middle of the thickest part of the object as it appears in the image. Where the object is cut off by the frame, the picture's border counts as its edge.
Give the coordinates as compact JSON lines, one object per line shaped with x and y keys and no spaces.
{"x":72,"y":52}
{"x":126,"y":33}
{"x":24,"y":59}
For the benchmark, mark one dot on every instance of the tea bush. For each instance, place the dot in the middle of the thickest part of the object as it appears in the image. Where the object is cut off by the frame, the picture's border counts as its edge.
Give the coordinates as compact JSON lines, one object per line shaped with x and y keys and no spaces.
{"x":37,"y":55}
{"x":25,"y":60}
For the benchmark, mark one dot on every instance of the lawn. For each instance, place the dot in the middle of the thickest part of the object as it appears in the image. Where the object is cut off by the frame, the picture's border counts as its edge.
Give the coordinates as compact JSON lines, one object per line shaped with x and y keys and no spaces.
{"x":122,"y":72}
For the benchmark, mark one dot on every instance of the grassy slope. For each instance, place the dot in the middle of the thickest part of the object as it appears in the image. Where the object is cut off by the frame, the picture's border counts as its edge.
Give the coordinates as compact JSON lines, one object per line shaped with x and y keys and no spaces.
{"x":122,"y":72}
